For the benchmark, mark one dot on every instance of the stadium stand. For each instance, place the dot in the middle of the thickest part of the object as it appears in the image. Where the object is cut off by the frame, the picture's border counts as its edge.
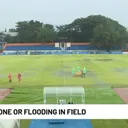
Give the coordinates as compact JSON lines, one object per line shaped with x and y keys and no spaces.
{"x":31,"y":47}
{"x":55,"y":48}
{"x":48,"y":46}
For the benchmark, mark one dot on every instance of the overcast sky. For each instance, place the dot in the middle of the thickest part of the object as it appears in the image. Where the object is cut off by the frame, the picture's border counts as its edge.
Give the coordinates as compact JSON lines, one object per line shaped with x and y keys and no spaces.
{"x":58,"y":12}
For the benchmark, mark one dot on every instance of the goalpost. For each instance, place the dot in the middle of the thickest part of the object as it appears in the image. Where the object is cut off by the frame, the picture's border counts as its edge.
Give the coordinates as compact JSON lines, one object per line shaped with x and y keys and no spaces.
{"x":64,"y":95}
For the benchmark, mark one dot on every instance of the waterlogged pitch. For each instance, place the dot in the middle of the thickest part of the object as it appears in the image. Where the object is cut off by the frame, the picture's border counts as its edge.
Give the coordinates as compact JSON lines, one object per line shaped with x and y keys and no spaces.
{"x":104,"y":72}
{"x":54,"y":70}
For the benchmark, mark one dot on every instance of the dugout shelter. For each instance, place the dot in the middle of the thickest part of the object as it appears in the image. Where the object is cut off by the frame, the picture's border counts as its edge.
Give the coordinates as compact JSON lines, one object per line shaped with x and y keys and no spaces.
{"x":64,"y":95}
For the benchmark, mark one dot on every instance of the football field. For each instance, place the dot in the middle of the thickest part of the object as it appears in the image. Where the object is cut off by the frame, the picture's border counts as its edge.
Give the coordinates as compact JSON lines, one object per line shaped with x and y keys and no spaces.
{"x":104,"y":72}
{"x":55,"y":70}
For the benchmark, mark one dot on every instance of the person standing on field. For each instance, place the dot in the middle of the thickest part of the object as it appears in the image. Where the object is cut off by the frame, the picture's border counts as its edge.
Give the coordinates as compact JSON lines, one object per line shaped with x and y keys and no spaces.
{"x":78,"y":69}
{"x":19,"y":77}
{"x":10,"y":78}
{"x":73,"y":71}
{"x":84,"y":71}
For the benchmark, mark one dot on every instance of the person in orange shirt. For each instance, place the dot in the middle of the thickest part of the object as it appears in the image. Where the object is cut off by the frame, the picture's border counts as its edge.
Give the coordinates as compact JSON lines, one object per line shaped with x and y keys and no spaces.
{"x":19,"y":77}
{"x":10,"y":78}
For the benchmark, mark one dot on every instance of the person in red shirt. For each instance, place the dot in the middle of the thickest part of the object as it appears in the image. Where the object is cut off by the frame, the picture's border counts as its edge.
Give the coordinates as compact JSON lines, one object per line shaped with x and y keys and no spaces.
{"x":10,"y":78}
{"x":19,"y":77}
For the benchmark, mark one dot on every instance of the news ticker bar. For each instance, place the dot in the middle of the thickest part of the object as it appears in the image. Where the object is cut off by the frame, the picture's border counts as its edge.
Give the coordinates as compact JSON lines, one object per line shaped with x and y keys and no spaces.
{"x":64,"y":111}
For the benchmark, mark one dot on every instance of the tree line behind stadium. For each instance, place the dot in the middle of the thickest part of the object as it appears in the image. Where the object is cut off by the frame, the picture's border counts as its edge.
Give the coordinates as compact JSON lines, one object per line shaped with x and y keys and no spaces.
{"x":98,"y":30}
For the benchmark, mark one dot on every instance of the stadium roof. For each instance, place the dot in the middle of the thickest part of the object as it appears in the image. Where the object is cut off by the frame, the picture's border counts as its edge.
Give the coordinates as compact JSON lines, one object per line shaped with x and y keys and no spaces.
{"x":63,"y":91}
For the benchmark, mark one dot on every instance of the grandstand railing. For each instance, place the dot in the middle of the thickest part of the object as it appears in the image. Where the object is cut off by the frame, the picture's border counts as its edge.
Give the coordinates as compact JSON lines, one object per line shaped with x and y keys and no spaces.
{"x":59,"y":52}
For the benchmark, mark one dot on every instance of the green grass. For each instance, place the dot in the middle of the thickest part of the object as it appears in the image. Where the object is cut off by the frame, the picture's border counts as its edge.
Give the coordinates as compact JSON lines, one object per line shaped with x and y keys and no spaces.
{"x":55,"y":70}
{"x":48,"y":70}
{"x":24,"y":123}
{"x":35,"y":96}
{"x":109,"y":123}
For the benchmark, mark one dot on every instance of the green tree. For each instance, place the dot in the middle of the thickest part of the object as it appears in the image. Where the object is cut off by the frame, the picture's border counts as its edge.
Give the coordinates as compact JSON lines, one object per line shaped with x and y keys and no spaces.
{"x":99,"y":30}
{"x":47,"y":33}
{"x":108,"y":34}
{"x":10,"y":39}
{"x":35,"y":31}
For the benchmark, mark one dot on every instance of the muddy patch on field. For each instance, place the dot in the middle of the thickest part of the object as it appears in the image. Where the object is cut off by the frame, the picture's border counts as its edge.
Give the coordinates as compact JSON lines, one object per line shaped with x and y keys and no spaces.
{"x":104,"y":60}
{"x":66,"y":67}
{"x":33,"y":69}
{"x":87,"y":59}
{"x":96,"y":80}
{"x":121,"y":70}
{"x":91,"y":74}
{"x":29,"y":73}
{"x":46,"y":69}
{"x":76,"y":60}
{"x":62,"y":73}
{"x":2,"y":68}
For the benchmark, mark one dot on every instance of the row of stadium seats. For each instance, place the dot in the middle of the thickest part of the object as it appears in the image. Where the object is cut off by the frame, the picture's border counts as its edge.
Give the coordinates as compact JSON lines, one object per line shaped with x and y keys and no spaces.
{"x":9,"y":48}
{"x":74,"y":47}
